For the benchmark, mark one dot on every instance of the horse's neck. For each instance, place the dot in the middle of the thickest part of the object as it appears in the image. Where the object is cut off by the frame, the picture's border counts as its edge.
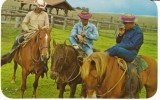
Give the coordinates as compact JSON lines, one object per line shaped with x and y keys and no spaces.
{"x":113,"y":71}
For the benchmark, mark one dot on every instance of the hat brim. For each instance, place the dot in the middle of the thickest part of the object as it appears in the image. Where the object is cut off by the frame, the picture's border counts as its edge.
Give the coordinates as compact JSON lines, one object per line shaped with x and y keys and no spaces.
{"x":40,"y":6}
{"x":125,"y":19}
{"x":85,"y":16}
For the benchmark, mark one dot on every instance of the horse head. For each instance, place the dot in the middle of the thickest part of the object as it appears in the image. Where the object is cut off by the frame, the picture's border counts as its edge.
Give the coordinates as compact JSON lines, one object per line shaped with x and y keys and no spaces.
{"x":44,"y":38}
{"x":58,"y":59}
{"x":92,"y":71}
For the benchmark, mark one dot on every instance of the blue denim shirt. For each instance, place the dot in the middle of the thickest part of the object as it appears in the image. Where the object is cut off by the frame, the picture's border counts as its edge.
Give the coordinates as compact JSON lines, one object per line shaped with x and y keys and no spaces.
{"x":132,"y":40}
{"x":91,"y":32}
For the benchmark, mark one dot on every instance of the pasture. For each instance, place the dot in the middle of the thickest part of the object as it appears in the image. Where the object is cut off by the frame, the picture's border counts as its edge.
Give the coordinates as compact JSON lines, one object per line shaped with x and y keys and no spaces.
{"x":47,"y":87}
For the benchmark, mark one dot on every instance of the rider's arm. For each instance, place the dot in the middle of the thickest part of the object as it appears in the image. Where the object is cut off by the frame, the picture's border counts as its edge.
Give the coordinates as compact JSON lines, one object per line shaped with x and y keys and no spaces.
{"x":93,"y":34}
{"x":46,"y":23}
{"x":25,"y":22}
{"x":74,"y":31}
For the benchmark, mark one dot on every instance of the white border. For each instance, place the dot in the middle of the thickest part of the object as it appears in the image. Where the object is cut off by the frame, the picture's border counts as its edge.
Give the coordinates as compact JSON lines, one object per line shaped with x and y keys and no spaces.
{"x":155,"y":97}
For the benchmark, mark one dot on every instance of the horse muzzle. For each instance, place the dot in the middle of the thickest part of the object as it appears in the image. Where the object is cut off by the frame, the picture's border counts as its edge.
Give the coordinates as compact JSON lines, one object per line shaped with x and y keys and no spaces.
{"x":45,"y":57}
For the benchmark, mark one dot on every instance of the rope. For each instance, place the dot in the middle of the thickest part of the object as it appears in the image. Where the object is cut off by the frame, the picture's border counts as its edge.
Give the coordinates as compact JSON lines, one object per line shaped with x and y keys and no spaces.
{"x":121,"y":62}
{"x":27,"y":37}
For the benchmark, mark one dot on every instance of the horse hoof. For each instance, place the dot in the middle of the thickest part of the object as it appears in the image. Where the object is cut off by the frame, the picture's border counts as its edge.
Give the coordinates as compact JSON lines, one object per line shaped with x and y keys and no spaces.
{"x":13,"y":82}
{"x":33,"y":96}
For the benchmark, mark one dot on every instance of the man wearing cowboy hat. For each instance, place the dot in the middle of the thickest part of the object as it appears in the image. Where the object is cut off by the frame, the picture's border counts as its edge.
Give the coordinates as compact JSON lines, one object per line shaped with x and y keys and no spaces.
{"x":31,"y":22}
{"x":83,"y":33}
{"x":129,"y":41}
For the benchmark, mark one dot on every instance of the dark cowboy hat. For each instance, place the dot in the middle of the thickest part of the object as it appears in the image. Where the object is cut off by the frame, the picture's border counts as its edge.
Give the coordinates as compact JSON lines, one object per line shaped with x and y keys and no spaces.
{"x":85,"y":14}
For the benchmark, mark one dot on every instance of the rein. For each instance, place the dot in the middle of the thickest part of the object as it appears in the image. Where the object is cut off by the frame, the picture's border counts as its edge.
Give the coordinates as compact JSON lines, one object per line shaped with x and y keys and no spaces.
{"x":33,"y":59}
{"x":70,"y":77}
{"x":120,"y":62}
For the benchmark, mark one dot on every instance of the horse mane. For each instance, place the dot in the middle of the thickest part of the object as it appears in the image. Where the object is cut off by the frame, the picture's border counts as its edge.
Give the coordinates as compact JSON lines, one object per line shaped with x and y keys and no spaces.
{"x":100,"y":59}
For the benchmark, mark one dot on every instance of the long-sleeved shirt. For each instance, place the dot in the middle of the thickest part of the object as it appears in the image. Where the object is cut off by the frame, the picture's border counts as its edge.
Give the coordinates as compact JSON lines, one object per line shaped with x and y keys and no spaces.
{"x":91,"y":32}
{"x":32,"y":20}
{"x":131,"y":40}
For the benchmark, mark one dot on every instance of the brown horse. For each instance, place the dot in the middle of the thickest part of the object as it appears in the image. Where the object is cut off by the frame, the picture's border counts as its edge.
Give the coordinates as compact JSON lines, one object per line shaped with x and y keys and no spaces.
{"x":65,"y":66}
{"x":32,"y":57}
{"x":105,"y":78}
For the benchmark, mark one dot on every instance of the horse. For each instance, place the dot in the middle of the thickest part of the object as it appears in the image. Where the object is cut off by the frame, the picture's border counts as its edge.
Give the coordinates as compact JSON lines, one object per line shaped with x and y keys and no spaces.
{"x":65,"y":66}
{"x":104,"y":78}
{"x":32,"y":57}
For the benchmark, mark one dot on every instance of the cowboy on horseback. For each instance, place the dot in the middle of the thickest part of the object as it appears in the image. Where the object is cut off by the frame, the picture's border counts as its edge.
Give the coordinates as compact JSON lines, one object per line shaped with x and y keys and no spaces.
{"x":83,"y":33}
{"x":129,"y":41}
{"x":32,"y":21}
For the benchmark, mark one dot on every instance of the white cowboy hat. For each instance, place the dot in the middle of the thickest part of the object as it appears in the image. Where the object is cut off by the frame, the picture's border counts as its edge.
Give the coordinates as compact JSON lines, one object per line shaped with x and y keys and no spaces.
{"x":40,"y":3}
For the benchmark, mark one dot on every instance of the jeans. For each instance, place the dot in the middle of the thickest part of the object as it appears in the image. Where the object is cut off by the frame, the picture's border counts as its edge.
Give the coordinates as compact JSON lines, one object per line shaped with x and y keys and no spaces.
{"x":127,"y":55}
{"x":88,"y":51}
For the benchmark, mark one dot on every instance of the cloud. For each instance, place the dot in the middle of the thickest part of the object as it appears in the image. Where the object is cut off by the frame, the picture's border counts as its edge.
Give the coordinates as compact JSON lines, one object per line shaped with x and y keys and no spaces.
{"x":137,"y":7}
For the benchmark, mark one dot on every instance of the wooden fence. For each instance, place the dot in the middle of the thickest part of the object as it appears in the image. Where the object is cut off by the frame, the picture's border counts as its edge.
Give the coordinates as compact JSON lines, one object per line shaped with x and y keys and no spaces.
{"x":15,"y":18}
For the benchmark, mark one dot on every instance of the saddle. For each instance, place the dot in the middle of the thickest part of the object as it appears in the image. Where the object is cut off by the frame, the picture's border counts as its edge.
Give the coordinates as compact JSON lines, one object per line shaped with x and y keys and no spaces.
{"x":133,"y":83}
{"x":140,"y":64}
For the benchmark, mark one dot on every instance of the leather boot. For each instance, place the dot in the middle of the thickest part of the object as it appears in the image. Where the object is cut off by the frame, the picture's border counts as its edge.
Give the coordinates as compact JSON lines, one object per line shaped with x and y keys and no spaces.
{"x":131,"y":81}
{"x":19,"y":40}
{"x":7,"y":58}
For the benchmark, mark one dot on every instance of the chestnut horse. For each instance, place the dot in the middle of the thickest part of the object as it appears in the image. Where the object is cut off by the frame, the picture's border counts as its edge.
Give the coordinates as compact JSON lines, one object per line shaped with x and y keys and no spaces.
{"x":32,"y":57}
{"x":104,"y":77}
{"x":65,"y":66}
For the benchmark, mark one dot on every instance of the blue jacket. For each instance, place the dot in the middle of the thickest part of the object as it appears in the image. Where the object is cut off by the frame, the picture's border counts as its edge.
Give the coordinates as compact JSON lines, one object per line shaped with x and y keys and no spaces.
{"x":132,"y":40}
{"x":91,"y":32}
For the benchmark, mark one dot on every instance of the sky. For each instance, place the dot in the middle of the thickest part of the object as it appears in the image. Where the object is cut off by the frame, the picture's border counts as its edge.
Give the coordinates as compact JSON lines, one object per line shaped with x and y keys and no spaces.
{"x":136,"y":7}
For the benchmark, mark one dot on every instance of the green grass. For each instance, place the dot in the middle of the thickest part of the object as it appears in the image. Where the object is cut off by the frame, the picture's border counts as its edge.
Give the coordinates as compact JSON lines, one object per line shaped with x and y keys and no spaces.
{"x":47,"y":87}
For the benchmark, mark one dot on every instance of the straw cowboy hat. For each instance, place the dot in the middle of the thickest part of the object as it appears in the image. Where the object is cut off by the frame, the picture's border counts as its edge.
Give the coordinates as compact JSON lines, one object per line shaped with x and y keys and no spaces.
{"x":40,"y":3}
{"x":128,"y":18}
{"x":85,"y":14}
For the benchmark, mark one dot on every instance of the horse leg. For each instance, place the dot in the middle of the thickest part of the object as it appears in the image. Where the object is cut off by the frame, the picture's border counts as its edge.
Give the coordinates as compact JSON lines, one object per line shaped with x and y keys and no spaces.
{"x":83,"y":91}
{"x":24,"y":78}
{"x":35,"y":84}
{"x":14,"y":74}
{"x":73,"y":89}
{"x":61,"y":89}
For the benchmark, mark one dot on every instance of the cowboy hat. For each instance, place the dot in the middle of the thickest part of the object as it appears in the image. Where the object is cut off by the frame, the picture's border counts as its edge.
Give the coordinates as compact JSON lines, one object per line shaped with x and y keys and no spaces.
{"x":85,"y":14}
{"x":40,"y":4}
{"x":128,"y":18}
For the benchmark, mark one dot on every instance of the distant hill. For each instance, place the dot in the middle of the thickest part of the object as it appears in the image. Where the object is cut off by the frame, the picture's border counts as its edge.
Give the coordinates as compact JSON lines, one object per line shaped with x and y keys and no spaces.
{"x":147,"y":20}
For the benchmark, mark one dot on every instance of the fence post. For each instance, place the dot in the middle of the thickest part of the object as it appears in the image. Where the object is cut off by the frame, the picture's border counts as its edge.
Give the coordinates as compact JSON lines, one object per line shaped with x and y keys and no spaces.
{"x":98,"y":25}
{"x":109,"y":26}
{"x":17,"y":19}
{"x":65,"y":23}
{"x":52,"y":20}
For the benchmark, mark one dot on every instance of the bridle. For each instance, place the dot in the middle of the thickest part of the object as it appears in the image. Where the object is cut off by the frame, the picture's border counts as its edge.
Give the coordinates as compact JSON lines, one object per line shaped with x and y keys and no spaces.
{"x":39,"y":49}
{"x":61,"y":67}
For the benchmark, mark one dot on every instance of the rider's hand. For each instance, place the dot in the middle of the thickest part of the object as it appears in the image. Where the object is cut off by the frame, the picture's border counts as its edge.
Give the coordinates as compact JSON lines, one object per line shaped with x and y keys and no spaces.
{"x":121,"y":31}
{"x":83,"y":34}
{"x":80,"y":38}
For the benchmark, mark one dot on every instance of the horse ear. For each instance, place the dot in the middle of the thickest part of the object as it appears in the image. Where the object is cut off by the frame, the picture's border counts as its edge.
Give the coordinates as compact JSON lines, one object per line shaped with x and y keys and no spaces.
{"x":54,"y":43}
{"x":93,"y":65}
{"x":49,"y":29}
{"x":80,"y":60}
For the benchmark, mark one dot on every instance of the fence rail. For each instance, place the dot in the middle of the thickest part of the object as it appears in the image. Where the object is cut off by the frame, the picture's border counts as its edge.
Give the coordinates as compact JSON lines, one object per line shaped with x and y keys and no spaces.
{"x":64,"y":22}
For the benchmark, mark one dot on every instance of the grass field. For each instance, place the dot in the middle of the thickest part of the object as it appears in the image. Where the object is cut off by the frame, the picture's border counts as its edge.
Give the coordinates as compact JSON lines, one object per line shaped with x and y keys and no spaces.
{"x":47,"y":87}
